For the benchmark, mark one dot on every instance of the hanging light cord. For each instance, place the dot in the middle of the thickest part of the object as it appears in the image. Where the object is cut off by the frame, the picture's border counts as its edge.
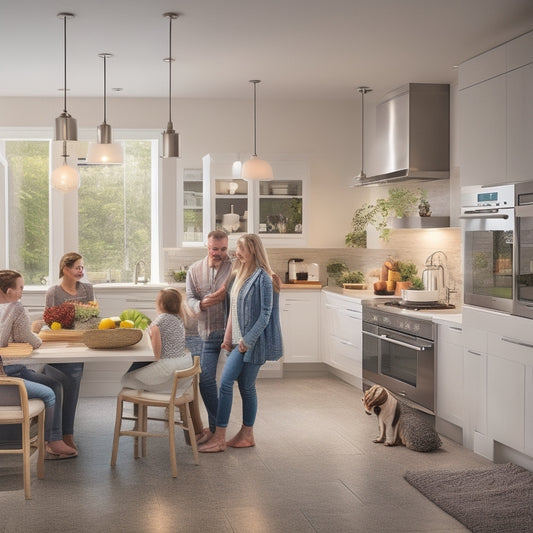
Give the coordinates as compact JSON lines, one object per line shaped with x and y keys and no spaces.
{"x":65,"y":64}
{"x":255,"y":82}
{"x":170,"y":72}
{"x":105,"y":87}
{"x":363,"y":91}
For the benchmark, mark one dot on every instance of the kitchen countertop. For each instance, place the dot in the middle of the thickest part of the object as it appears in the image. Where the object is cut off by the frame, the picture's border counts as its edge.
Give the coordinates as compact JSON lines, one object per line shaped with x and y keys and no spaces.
{"x":453,"y":316}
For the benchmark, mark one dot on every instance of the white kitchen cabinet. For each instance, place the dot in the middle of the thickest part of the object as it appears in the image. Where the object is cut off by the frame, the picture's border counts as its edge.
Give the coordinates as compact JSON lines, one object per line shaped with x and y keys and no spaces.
{"x":483,"y":132}
{"x":496,"y":115}
{"x":342,"y":334}
{"x":300,"y":322}
{"x":520,"y":124}
{"x":450,"y":374}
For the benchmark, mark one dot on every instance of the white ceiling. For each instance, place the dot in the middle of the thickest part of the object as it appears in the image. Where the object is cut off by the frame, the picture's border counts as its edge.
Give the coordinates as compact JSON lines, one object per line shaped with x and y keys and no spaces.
{"x":299,"y":48}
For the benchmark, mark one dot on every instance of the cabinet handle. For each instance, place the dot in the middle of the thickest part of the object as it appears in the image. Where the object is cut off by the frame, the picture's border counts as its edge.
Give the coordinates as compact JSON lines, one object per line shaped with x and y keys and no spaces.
{"x":519,"y":343}
{"x":357,"y":312}
{"x":459,"y":330}
{"x":474,"y":353}
{"x":346,"y":343}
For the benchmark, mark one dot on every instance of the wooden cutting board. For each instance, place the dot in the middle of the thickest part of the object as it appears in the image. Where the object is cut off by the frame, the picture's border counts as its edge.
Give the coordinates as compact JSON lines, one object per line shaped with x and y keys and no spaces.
{"x":16,"y":349}
{"x":62,"y":335}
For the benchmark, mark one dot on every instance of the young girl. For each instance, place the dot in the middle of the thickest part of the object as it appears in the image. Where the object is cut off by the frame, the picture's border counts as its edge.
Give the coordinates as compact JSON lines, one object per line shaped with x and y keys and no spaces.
{"x":167,"y":334}
{"x":15,"y":326}
{"x":253,"y":335}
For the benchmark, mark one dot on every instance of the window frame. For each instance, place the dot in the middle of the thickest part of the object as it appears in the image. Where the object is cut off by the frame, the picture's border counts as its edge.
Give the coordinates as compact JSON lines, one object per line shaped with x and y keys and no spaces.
{"x":63,"y":207}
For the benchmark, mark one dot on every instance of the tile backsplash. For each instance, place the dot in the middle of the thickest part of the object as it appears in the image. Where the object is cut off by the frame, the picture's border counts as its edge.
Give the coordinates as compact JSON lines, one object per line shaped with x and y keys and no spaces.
{"x":404,"y":245}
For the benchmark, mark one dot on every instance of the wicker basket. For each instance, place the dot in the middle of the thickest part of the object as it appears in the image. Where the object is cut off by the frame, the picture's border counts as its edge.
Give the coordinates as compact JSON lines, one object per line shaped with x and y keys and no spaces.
{"x":112,"y":338}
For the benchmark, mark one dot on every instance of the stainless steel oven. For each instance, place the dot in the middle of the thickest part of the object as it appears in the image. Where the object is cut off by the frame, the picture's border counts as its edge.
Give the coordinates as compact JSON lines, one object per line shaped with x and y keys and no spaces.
{"x":399,"y":354}
{"x":523,"y":294}
{"x":488,"y":216}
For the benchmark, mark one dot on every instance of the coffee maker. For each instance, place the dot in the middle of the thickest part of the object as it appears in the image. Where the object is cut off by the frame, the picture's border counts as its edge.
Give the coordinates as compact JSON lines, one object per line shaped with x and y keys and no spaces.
{"x":297,"y":270}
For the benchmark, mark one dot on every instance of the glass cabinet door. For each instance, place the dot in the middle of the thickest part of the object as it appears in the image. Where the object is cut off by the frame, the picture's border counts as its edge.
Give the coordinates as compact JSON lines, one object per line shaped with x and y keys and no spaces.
{"x":231,"y":205}
{"x":280,"y":207}
{"x":192,"y":205}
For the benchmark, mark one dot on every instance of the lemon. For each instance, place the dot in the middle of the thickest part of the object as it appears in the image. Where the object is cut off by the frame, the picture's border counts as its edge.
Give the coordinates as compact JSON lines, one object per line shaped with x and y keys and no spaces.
{"x":106,"y":323}
{"x":127,"y":324}
{"x":55,"y":326}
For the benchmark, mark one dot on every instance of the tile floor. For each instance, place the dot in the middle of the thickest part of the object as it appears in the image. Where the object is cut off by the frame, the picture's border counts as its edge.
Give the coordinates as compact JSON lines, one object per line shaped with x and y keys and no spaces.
{"x":314,"y":469}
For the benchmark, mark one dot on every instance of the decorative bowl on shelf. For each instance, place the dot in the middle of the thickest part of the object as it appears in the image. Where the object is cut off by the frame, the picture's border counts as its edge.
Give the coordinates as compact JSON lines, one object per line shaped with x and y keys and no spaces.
{"x":354,"y":286}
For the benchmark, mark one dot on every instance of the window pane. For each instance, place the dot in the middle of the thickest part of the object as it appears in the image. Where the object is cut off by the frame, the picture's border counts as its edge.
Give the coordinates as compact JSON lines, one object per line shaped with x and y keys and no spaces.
{"x":114,"y":215}
{"x":28,"y":166}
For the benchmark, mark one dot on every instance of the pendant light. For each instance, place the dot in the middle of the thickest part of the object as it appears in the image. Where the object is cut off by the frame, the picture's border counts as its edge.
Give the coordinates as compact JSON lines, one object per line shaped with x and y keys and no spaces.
{"x":65,"y":178}
{"x":363,"y":90}
{"x":171,"y":139}
{"x":256,"y":168}
{"x":104,"y":151}
{"x":66,"y":128}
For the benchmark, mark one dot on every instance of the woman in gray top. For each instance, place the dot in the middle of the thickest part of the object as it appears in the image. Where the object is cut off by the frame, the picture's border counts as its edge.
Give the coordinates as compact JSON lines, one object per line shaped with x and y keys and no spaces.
{"x":70,"y":289}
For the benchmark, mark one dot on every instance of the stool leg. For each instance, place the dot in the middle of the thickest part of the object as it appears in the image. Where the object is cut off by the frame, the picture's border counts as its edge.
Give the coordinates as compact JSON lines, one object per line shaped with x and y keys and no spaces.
{"x":116,"y":434}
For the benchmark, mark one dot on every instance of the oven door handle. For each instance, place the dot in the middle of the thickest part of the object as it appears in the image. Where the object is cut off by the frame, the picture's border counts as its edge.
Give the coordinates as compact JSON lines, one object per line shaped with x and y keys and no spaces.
{"x":394,"y":341}
{"x":482,"y":215}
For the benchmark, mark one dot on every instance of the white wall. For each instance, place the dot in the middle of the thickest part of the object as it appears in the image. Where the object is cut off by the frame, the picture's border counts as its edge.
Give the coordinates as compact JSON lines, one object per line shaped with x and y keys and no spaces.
{"x":328,"y":132}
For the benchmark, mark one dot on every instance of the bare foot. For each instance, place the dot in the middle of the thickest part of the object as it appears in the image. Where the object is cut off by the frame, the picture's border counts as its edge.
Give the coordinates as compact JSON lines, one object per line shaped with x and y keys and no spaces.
{"x":204,"y":437}
{"x":214,"y":445}
{"x":243,"y":439}
{"x":68,"y":439}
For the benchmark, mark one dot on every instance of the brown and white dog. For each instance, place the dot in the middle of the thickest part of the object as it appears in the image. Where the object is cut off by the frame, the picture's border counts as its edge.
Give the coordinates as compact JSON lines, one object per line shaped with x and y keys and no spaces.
{"x":399,"y":423}
{"x":377,"y":400}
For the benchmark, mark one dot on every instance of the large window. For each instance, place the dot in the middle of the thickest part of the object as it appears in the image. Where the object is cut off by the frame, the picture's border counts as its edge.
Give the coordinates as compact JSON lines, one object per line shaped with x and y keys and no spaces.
{"x":114,"y":204}
{"x":27,"y":193}
{"x":114,"y":212}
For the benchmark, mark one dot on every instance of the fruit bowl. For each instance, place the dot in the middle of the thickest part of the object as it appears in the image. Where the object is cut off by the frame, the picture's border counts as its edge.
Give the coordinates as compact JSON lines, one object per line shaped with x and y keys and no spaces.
{"x":111,"y":338}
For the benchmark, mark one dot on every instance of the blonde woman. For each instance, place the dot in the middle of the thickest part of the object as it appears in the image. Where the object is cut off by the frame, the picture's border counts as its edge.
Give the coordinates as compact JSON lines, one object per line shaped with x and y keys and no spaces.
{"x":253,"y":336}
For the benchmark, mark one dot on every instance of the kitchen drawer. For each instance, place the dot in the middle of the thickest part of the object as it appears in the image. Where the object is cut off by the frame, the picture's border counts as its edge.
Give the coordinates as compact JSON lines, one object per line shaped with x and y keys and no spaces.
{"x":346,"y":324}
{"x":451,"y":334}
{"x":345,"y":356}
{"x":510,"y":348}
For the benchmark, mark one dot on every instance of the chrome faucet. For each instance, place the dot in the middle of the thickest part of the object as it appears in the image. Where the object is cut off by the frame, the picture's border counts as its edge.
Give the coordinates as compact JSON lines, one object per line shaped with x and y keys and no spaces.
{"x":136,"y":271}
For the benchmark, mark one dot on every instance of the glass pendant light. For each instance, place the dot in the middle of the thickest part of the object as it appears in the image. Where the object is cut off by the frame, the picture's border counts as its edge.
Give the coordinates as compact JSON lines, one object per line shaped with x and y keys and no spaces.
{"x":66,"y":128}
{"x":171,"y":139}
{"x":65,"y":178}
{"x":363,"y":90}
{"x":256,"y":168}
{"x":104,"y":151}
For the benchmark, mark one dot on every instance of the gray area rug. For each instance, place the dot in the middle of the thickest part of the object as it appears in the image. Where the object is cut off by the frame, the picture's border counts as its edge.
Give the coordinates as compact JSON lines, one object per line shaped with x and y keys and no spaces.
{"x":496,"y":499}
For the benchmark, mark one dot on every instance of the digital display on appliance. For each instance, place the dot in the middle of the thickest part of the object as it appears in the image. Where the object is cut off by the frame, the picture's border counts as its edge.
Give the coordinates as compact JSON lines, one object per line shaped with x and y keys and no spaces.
{"x":487,"y":197}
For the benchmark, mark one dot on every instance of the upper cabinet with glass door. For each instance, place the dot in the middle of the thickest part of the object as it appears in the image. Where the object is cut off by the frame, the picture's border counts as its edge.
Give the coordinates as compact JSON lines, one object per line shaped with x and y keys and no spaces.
{"x":274,"y":209}
{"x":192,"y":205}
{"x":226,"y":202}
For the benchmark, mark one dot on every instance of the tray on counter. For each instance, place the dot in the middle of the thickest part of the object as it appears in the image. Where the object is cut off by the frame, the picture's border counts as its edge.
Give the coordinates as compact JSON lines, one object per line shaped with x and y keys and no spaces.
{"x":62,"y":335}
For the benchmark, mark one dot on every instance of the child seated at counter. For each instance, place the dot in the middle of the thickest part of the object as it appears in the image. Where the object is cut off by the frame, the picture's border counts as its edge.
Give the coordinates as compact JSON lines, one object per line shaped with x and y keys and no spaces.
{"x":167,"y":335}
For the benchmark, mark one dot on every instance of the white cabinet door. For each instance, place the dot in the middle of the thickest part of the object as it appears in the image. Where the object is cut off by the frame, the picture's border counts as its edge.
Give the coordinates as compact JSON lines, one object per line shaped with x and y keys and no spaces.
{"x":520,"y":124}
{"x":506,"y":401}
{"x":342,"y":334}
{"x":300,"y":311}
{"x":475,"y":396}
{"x":450,"y":372}
{"x":482,"y":133}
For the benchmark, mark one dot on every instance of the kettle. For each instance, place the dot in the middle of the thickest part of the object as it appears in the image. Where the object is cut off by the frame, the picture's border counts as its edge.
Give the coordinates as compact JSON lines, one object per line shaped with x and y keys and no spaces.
{"x":433,"y":274}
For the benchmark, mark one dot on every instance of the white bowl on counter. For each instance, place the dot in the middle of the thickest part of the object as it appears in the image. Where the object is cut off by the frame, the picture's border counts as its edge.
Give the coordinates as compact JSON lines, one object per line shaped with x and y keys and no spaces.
{"x":413,"y":295}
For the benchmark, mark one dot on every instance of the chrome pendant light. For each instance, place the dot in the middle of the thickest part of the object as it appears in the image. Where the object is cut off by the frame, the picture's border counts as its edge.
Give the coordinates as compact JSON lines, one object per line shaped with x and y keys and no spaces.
{"x":104,"y":151}
{"x":363,"y":90}
{"x":256,"y":168}
{"x":65,"y":178}
{"x":171,"y":139}
{"x":66,"y":128}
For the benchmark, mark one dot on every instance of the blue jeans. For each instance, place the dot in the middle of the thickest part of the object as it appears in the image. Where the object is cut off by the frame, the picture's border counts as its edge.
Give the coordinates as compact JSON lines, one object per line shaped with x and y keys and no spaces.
{"x":208,"y":377}
{"x":71,"y":390}
{"x":245,"y":374}
{"x":43,"y":387}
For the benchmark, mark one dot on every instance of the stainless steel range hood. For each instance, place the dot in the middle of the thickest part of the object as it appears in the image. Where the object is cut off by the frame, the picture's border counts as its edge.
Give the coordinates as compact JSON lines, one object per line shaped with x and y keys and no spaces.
{"x":412,"y":135}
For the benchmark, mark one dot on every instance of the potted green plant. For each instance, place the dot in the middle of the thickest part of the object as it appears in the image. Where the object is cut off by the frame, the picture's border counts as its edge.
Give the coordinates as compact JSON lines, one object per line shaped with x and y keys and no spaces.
{"x":179,"y":275}
{"x":375,"y":215}
{"x":402,"y":202}
{"x":335,"y":269}
{"x":424,"y":208}
{"x":351,"y":279}
{"x":409,"y":278}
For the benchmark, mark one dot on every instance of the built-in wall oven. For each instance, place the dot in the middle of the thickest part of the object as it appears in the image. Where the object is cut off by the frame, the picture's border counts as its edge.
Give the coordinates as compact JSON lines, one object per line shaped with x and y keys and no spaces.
{"x":523,"y":294}
{"x":488,"y":217}
{"x":399,"y":354}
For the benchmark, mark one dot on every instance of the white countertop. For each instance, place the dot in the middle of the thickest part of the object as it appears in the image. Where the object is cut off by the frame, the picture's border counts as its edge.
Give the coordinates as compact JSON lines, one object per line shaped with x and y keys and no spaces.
{"x":77,"y":352}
